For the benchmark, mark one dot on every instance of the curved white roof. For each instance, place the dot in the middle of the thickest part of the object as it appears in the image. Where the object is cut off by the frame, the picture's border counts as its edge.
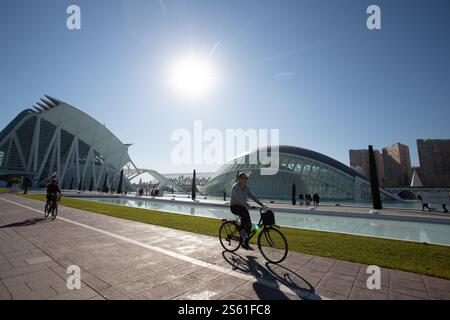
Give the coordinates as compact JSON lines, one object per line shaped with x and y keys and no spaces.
{"x":87,"y":129}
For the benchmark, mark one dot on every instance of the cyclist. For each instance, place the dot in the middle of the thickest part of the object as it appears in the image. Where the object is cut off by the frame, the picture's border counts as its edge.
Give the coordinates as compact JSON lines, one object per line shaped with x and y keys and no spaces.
{"x":239,"y":206}
{"x":52,"y":191}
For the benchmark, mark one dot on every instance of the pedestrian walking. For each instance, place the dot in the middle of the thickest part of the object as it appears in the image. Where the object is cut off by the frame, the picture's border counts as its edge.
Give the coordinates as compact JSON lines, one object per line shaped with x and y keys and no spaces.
{"x":424,"y":204}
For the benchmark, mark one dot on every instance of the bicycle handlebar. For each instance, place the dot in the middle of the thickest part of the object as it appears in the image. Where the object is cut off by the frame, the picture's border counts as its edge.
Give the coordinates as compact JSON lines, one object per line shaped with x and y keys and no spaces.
{"x":263,"y":208}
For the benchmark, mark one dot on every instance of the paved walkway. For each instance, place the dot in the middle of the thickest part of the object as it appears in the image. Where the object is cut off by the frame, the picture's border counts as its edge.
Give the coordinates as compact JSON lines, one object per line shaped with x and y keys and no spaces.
{"x":122,"y":259}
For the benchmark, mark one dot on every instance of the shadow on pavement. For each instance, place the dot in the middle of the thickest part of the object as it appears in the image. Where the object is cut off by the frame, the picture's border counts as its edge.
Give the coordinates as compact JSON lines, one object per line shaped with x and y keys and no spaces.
{"x":271,"y":275}
{"x":25,"y":223}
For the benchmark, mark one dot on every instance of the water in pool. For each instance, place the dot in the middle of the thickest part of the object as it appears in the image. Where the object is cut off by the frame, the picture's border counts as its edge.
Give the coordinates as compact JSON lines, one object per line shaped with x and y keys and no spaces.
{"x":402,"y":230}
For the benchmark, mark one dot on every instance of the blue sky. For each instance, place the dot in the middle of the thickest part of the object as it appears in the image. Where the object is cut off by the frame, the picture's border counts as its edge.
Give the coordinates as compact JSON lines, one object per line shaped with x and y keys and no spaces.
{"x":307,"y":67}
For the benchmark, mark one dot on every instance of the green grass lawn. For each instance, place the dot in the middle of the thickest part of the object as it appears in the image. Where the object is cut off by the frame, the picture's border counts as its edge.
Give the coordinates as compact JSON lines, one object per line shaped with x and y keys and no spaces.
{"x":433,"y":260}
{"x":4,"y":190}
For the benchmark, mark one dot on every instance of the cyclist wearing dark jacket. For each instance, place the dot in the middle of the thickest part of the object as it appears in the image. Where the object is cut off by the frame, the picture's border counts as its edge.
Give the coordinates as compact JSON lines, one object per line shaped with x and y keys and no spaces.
{"x":239,"y":206}
{"x":52,"y":190}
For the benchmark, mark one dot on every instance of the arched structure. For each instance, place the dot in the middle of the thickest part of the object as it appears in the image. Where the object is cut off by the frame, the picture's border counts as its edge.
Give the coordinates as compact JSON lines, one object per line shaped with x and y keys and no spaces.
{"x":57,"y":139}
{"x":163,"y":181}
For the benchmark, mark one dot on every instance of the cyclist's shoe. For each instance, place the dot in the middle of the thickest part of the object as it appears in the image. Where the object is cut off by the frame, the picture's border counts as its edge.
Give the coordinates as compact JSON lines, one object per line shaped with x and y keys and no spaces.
{"x":246,"y":246}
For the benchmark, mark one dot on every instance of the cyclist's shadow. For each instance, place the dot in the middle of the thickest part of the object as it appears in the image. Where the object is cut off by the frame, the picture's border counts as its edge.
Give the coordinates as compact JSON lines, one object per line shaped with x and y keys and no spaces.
{"x":25,"y":223}
{"x":267,"y":276}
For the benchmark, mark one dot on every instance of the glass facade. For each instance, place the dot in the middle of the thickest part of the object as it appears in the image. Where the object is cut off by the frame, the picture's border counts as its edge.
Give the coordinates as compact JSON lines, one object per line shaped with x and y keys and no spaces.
{"x":310,"y":171}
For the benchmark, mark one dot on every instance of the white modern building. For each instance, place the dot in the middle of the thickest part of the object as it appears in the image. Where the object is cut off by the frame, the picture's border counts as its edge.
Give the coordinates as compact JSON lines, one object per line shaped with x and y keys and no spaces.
{"x":56,"y":139}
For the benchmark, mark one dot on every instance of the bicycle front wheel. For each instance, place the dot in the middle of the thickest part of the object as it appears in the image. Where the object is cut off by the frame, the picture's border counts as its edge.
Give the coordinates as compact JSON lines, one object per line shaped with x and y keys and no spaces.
{"x":229,"y":236}
{"x":54,"y":212}
{"x":273,"y":245}
{"x":47,"y":210}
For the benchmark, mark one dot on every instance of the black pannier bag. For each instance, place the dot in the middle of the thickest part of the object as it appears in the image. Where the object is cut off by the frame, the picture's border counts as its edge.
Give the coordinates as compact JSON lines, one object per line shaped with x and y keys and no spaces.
{"x":268,"y":218}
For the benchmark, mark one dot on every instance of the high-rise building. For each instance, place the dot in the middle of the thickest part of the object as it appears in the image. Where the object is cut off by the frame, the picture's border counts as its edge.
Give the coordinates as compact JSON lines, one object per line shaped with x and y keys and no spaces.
{"x":434,"y":158}
{"x":397,"y":165}
{"x":359,"y":160}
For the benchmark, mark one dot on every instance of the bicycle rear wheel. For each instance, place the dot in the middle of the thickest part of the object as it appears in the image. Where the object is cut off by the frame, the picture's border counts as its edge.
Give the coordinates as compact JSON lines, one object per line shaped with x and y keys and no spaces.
{"x":229,"y":236}
{"x":273,"y":245}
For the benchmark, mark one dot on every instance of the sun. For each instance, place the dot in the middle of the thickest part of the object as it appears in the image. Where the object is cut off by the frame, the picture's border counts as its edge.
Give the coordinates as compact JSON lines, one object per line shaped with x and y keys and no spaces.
{"x":192,"y":77}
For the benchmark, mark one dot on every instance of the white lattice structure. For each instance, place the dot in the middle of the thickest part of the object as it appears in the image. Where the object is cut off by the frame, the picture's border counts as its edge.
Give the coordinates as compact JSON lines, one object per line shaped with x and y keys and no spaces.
{"x":57,"y":139}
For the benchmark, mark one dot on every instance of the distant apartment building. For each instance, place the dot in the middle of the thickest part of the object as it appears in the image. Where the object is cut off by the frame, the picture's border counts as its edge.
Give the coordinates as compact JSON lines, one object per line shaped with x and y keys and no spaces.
{"x":359,"y":160}
{"x":397,"y":165}
{"x":434,"y":158}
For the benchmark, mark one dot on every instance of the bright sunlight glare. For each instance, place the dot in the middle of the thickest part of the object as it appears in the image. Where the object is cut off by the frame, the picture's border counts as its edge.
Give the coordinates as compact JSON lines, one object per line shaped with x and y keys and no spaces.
{"x":192,"y":77}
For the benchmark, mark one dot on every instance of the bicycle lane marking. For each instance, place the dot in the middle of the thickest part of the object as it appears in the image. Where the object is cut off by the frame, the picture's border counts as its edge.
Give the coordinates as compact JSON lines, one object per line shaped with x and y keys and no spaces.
{"x":304,"y":294}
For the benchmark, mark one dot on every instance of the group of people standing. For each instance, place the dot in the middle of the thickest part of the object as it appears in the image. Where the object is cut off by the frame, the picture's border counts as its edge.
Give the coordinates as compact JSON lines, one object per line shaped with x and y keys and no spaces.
{"x":307,"y":199}
{"x":150,"y":192}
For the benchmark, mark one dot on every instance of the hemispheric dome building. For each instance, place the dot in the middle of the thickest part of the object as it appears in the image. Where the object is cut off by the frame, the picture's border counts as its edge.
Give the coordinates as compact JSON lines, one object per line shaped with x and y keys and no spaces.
{"x":310,"y":171}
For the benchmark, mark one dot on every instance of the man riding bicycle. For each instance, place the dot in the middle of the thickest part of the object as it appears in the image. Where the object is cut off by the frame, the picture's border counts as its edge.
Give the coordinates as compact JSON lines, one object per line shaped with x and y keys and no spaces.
{"x":239,"y":206}
{"x":52,"y":191}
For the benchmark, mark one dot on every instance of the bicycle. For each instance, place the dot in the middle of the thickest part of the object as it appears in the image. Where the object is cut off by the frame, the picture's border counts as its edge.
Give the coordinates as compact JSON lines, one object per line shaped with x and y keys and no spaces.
{"x":271,"y":242}
{"x":52,"y":207}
